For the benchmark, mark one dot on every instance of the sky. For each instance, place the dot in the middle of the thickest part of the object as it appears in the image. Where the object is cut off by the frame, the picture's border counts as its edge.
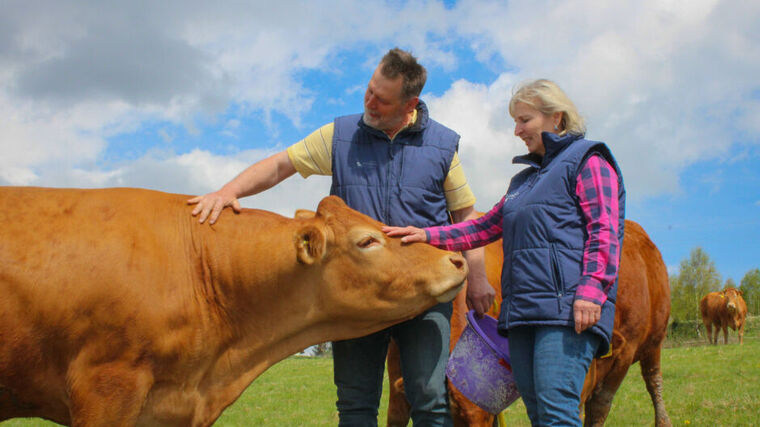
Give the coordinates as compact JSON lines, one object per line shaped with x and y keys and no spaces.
{"x":180,"y":96}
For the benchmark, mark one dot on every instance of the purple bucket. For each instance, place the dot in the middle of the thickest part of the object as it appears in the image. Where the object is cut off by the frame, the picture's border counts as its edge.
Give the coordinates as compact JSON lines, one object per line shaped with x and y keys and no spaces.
{"x":479,"y":367}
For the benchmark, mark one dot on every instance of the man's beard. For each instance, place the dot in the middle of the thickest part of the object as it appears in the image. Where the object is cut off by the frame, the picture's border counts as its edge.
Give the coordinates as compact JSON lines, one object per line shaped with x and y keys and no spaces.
{"x":380,"y":124}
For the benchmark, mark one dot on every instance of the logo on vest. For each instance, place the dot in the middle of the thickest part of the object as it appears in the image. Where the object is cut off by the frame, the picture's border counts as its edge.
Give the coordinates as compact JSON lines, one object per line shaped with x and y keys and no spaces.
{"x":367,"y":164}
{"x":511,"y":196}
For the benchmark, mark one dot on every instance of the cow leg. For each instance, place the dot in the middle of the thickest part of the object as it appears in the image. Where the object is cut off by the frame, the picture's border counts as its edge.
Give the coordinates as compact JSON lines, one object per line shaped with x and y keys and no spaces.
{"x":603,"y":379}
{"x":716,"y":333}
{"x":110,"y":394}
{"x":708,"y":329}
{"x":465,"y":413}
{"x":599,"y":404}
{"x":725,"y":335}
{"x":652,"y":373}
{"x":398,"y":405}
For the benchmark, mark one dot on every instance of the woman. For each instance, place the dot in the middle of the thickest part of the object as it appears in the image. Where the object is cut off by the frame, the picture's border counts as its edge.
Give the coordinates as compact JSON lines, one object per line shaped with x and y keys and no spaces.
{"x":561,"y":222}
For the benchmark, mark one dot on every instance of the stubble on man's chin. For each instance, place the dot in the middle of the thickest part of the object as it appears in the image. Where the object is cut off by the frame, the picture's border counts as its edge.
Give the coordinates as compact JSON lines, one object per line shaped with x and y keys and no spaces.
{"x":375,"y":125}
{"x":370,"y":123}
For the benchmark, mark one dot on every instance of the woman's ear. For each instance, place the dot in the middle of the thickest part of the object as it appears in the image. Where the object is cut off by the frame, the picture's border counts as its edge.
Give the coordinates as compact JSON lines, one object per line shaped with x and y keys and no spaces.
{"x":557,"y":120}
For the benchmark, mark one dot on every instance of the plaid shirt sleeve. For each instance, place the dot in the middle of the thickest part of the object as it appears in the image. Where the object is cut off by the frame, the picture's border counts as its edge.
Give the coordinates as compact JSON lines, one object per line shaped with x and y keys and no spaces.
{"x":597,"y":189}
{"x":470,"y":234}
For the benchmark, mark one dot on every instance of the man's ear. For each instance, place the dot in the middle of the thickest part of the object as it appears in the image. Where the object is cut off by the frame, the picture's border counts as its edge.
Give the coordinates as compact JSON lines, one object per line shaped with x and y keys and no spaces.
{"x":311,"y":244}
{"x":411,"y":104}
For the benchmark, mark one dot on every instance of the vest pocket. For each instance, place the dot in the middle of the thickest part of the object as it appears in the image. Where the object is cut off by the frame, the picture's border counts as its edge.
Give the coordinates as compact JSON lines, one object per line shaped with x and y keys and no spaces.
{"x":556,"y":275}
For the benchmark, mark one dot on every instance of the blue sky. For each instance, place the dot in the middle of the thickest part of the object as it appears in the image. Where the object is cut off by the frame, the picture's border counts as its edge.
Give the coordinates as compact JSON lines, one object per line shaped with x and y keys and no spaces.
{"x":180,"y":96}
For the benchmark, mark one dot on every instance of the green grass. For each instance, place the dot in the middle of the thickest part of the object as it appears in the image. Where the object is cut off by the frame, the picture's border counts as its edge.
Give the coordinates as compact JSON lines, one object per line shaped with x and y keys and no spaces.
{"x":703,"y":386}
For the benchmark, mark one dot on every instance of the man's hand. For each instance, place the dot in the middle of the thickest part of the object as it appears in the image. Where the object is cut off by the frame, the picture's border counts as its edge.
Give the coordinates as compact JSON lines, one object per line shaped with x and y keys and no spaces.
{"x":480,"y":294}
{"x":586,"y":314}
{"x":256,"y":178}
{"x":212,"y":204}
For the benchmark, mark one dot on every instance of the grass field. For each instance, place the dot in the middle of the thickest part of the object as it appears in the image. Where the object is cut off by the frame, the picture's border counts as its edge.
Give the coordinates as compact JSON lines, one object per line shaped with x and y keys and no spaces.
{"x":704,"y":386}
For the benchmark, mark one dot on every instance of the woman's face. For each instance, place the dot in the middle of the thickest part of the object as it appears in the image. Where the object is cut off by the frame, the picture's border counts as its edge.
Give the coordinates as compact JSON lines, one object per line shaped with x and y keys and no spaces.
{"x":529,"y":123}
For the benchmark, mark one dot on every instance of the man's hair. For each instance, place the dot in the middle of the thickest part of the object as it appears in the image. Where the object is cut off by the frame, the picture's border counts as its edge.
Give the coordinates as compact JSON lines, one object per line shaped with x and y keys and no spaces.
{"x":399,"y":62}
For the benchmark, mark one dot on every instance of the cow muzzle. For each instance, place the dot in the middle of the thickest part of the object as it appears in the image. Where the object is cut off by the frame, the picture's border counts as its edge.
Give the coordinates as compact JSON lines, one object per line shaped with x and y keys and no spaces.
{"x":455,"y":268}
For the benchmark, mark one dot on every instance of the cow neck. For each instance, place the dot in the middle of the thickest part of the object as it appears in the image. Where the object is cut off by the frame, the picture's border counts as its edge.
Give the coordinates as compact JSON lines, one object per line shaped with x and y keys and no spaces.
{"x":254,"y":247}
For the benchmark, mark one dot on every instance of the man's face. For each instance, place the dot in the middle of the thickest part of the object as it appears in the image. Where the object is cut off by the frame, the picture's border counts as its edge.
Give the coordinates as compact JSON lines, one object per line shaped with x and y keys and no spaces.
{"x":384,"y":107}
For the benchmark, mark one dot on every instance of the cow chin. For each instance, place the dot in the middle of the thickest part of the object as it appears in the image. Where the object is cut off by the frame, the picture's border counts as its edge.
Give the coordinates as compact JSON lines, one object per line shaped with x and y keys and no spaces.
{"x":450,"y":294}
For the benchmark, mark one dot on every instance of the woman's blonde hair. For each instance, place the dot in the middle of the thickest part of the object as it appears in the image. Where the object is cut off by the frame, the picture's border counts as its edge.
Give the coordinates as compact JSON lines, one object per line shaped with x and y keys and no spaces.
{"x":546,"y":97}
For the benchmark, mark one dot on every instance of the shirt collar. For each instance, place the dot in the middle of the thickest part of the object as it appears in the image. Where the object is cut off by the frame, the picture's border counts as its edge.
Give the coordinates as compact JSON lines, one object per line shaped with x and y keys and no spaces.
{"x":412,"y":121}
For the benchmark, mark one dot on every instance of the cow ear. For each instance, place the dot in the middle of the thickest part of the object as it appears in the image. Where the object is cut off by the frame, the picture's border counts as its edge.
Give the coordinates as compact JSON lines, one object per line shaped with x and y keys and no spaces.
{"x":304,"y":214}
{"x":310,"y":244}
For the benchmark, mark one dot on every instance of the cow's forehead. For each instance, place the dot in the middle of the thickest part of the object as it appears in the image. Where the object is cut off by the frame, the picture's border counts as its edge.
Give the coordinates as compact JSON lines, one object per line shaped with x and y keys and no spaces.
{"x":334,"y":211}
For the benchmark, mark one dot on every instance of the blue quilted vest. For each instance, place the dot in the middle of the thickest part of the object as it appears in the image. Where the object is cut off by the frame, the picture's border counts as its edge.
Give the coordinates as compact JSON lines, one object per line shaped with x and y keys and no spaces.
{"x":398,"y":182}
{"x":544,"y":235}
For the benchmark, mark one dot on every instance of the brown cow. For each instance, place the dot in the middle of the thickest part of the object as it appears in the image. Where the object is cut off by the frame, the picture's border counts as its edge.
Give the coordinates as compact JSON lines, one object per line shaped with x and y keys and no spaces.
{"x":118,"y":308}
{"x":463,"y":412}
{"x":641,"y":316}
{"x":724,"y":309}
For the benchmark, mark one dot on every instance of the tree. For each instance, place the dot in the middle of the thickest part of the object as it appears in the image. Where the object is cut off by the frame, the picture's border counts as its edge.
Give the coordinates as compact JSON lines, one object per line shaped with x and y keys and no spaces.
{"x":696,"y":278}
{"x":324,"y":349}
{"x":750,"y":287}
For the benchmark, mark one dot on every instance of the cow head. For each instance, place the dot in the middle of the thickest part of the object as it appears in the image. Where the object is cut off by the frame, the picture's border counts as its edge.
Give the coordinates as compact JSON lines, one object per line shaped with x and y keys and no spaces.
{"x":369,"y":275}
{"x":731,"y":296}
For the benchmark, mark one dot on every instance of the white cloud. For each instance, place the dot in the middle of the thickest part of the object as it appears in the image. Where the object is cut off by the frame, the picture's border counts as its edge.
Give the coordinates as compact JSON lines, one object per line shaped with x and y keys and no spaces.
{"x":194,"y":173}
{"x":664,"y":83}
{"x":661,"y":83}
{"x":479,"y":114}
{"x":73,"y":75}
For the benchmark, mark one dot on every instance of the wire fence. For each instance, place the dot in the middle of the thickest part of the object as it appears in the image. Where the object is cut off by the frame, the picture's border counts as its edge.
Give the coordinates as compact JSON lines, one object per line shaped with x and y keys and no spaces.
{"x":692,"y":333}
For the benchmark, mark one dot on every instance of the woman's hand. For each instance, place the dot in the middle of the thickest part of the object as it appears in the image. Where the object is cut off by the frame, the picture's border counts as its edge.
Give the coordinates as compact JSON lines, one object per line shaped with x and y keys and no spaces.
{"x":586,"y":314}
{"x":408,"y":234}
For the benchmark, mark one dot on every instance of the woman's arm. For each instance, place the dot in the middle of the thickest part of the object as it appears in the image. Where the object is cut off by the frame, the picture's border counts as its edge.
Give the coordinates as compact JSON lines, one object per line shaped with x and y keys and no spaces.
{"x":597,"y":190}
{"x":461,"y":236}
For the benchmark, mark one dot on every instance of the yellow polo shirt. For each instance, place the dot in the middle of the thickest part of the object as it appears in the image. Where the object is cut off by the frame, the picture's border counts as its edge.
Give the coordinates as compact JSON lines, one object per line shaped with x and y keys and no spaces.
{"x":313,"y":156}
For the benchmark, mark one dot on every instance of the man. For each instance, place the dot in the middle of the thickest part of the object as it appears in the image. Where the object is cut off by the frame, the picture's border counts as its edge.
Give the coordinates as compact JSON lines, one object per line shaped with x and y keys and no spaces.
{"x":400,"y":167}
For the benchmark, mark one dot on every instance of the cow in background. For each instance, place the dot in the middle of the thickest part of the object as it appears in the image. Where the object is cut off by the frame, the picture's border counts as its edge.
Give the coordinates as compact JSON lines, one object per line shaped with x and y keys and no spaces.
{"x":641,"y":318}
{"x":724,"y":309}
{"x":117,"y":308}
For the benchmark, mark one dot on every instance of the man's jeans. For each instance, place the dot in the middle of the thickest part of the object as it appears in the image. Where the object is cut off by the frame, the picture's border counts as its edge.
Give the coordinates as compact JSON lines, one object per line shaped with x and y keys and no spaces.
{"x":424,"y":346}
{"x":549,"y":365}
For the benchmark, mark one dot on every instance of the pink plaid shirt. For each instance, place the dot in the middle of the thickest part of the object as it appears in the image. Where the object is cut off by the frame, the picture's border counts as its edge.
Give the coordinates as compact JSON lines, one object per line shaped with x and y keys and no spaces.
{"x":597,"y":189}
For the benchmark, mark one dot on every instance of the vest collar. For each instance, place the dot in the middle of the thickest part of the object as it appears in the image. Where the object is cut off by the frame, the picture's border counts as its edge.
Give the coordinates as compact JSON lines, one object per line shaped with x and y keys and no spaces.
{"x":553,"y":143}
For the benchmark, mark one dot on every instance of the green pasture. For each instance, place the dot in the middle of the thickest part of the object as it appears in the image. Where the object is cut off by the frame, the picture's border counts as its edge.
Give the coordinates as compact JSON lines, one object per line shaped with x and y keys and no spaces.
{"x":703,"y":386}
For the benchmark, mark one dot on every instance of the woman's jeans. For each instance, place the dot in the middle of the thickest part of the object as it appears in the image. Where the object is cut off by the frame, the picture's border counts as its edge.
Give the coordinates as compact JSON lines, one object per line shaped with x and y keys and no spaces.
{"x":549,"y":365}
{"x":424,"y":346}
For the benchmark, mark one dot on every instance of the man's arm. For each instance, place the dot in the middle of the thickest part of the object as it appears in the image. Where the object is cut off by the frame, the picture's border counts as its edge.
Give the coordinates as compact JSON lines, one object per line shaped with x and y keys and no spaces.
{"x":480,"y":294}
{"x":256,"y":178}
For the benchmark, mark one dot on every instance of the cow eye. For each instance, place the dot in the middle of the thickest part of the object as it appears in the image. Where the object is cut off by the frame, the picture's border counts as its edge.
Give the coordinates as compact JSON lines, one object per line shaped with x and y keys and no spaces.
{"x":368,"y":242}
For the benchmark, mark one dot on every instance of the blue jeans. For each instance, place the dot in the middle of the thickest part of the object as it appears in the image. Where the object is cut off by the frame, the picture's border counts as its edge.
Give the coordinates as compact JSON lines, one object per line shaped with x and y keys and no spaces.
{"x":424,"y":346}
{"x":549,"y":365}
